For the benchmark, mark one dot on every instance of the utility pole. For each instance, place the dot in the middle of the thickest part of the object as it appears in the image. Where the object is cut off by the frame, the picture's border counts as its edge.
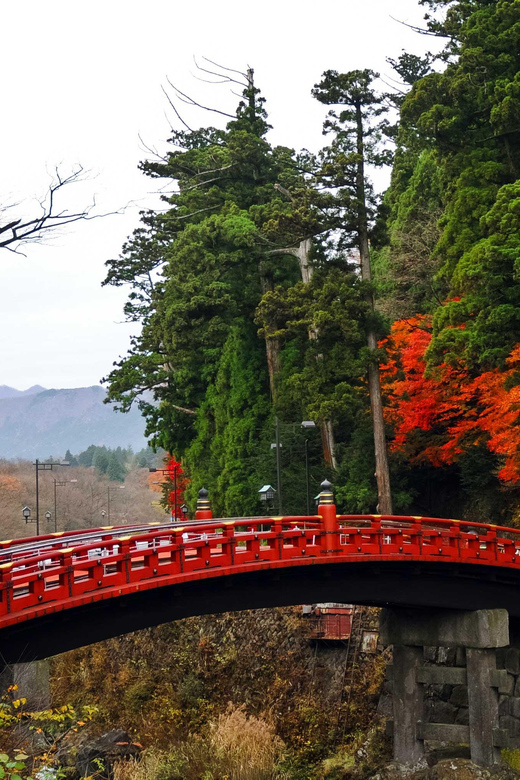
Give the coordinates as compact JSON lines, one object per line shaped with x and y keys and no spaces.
{"x":45,"y":466}
{"x":37,"y":499}
{"x":55,"y":512}
{"x":307,"y":491}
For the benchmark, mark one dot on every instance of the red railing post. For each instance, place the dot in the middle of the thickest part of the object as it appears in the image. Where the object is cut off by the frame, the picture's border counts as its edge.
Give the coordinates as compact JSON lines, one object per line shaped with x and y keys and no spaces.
{"x":327,"y":512}
{"x":228,"y":543}
{"x":203,"y":511}
{"x":6,"y":586}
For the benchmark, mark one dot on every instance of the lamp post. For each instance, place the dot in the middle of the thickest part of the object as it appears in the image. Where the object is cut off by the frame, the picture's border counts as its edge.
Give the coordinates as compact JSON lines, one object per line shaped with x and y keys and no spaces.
{"x":45,"y":466}
{"x":307,"y":424}
{"x":119,"y":487}
{"x":26,"y":512}
{"x":277,"y":446}
{"x":57,"y":484}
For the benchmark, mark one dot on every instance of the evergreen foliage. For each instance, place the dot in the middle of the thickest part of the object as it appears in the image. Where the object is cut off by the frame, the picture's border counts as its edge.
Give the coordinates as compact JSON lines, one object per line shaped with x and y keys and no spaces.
{"x":455,"y":192}
{"x":236,"y":328}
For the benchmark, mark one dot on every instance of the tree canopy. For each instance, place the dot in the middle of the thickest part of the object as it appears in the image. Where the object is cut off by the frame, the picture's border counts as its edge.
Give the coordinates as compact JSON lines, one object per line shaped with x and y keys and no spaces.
{"x":263,"y":287}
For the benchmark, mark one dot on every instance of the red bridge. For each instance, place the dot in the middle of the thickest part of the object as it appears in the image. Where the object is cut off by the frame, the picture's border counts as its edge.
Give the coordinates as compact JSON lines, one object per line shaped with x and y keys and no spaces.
{"x":65,"y":590}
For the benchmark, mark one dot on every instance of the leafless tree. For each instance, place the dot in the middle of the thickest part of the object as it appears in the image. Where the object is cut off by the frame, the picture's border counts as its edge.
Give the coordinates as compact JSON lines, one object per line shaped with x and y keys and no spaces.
{"x":17,"y":232}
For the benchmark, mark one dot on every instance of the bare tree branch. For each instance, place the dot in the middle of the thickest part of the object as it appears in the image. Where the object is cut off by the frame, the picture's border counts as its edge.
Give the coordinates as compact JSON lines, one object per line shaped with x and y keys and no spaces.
{"x":221,"y":76}
{"x":420,"y":30}
{"x":151,"y":150}
{"x":191,"y":102}
{"x":288,"y":250}
{"x":21,"y":231}
{"x":172,"y":104}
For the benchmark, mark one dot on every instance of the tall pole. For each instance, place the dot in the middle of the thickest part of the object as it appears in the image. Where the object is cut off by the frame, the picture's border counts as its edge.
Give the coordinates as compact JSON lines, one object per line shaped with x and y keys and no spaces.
{"x":108,"y":505}
{"x":55,"y":514}
{"x":175,"y":493}
{"x":278,"y":469}
{"x":37,"y":501}
{"x":307,"y":486}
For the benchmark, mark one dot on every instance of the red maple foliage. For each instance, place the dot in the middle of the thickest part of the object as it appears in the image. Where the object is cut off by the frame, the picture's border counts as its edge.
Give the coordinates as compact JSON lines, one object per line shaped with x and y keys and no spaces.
{"x":178,"y":480}
{"x":439,"y":415}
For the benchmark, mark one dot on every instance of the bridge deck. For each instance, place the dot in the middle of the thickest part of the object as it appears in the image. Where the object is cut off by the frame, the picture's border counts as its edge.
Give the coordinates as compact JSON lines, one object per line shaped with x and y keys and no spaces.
{"x":41,"y":578}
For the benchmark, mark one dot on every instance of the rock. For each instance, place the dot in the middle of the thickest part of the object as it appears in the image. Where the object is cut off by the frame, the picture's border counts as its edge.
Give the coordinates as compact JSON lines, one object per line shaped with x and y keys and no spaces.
{"x":509,"y":685}
{"x":457,"y":769}
{"x":438,"y":711}
{"x":442,"y":752}
{"x":385,"y":707}
{"x":454,"y":768}
{"x":446,"y":655}
{"x":440,"y":691}
{"x":459,"y":696}
{"x":503,"y":705}
{"x":512,"y":660}
{"x":460,"y":656}
{"x":97,"y":758}
{"x":462,"y":717}
{"x":501,"y":657}
{"x":514,"y":706}
{"x":511,"y":725}
{"x":398,"y":772}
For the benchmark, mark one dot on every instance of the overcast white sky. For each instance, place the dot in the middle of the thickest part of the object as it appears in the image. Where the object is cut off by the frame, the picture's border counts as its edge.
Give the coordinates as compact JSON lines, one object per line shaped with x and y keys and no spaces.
{"x":81,"y":82}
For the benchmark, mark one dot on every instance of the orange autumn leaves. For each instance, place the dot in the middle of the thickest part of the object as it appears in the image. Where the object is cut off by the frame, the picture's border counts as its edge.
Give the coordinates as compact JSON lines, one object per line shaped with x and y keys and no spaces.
{"x":438,"y":416}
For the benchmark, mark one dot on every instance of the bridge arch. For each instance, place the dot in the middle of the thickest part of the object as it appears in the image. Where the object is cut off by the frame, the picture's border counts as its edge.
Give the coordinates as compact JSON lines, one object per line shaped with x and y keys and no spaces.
{"x":70,"y":590}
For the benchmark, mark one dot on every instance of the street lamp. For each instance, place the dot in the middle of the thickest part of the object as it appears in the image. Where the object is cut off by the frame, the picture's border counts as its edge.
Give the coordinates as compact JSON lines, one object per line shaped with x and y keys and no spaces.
{"x":184,"y":510}
{"x":45,"y":466}
{"x":58,"y":483}
{"x":305,"y":425}
{"x":26,"y":512}
{"x":48,"y":516}
{"x":119,"y":487}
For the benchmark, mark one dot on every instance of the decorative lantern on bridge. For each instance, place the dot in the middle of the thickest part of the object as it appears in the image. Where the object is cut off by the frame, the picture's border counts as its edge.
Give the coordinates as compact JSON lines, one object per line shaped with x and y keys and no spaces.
{"x":267,"y":493}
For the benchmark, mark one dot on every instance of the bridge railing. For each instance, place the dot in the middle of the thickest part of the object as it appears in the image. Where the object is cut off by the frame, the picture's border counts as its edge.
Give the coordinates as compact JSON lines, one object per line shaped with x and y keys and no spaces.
{"x":112,"y":561}
{"x":61,"y":574}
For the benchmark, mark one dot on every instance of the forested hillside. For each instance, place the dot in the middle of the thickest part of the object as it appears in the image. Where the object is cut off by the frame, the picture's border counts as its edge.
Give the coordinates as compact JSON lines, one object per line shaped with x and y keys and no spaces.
{"x":276,"y":284}
{"x":38,"y":422}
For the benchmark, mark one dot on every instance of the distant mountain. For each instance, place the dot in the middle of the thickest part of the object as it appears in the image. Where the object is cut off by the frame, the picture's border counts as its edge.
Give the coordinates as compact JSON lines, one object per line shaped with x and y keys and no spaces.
{"x":48,"y":422}
{"x":11,"y":392}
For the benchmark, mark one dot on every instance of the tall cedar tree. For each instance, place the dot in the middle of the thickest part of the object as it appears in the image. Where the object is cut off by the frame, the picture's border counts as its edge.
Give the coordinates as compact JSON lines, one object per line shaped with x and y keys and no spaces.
{"x":358,"y":135}
{"x":197,"y":273}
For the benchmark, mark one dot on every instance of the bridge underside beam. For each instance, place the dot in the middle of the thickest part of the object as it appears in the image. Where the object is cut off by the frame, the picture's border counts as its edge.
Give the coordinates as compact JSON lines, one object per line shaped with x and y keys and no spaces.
{"x":481,"y":628}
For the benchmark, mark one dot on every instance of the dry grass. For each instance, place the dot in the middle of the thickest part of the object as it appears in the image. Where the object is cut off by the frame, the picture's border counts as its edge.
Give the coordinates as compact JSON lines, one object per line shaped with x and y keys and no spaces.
{"x":247,"y":746}
{"x":237,"y":747}
{"x":150,"y":767}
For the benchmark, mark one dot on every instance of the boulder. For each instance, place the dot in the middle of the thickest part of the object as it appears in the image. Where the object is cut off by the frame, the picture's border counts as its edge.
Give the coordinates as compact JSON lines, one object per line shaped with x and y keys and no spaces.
{"x":96,"y":759}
